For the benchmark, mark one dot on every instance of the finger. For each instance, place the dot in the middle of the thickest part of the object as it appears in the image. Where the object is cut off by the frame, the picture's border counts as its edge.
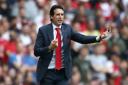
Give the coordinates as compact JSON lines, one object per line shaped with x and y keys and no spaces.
{"x":55,"y":44}
{"x":108,"y":27}
{"x":54,"y":41}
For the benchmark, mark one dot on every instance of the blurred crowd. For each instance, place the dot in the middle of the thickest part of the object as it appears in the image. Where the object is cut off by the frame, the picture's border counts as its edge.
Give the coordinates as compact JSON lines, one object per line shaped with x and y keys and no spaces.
{"x":104,"y":63}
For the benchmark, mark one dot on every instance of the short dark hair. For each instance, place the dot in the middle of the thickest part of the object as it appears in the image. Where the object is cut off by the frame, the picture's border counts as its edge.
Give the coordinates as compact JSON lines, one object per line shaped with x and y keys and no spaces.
{"x":53,"y":8}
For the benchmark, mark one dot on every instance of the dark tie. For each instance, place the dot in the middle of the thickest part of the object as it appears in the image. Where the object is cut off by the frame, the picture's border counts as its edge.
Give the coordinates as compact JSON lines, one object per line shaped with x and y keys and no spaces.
{"x":58,"y":63}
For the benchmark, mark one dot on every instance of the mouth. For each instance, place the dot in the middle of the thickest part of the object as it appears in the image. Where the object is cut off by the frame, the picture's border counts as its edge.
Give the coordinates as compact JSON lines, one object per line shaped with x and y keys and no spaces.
{"x":60,"y":20}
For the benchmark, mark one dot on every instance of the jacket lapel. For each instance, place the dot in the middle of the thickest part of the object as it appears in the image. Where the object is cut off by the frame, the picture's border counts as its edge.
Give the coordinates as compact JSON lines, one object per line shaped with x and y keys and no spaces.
{"x":50,"y":32}
{"x":63,"y":33}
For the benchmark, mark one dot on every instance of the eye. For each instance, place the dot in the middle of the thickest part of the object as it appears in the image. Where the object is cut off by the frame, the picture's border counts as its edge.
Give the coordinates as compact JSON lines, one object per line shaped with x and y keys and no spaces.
{"x":62,"y":14}
{"x":58,"y":14}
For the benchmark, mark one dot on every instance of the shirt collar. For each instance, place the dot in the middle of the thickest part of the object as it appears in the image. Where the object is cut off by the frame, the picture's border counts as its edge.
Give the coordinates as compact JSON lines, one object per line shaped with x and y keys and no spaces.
{"x":54,"y":26}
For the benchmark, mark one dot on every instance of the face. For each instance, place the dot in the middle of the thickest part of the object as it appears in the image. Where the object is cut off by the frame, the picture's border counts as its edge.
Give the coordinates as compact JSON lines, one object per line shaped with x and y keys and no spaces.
{"x":58,"y":17}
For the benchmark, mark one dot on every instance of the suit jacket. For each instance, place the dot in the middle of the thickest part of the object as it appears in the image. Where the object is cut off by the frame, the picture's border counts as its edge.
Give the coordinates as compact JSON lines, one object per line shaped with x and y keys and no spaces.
{"x":43,"y":40}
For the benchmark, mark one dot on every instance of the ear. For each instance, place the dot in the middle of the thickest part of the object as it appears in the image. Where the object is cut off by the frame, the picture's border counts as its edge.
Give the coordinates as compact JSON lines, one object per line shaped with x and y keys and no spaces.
{"x":51,"y":17}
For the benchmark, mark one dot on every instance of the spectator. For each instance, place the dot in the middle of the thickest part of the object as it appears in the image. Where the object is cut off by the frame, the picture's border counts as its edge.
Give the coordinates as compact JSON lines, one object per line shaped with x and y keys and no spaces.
{"x":117,"y":73}
{"x":76,"y":76}
{"x":84,"y":65}
{"x":99,"y":61}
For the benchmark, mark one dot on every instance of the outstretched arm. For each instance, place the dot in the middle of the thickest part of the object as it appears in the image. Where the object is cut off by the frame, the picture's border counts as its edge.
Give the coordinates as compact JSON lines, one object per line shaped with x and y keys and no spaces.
{"x":90,"y":39}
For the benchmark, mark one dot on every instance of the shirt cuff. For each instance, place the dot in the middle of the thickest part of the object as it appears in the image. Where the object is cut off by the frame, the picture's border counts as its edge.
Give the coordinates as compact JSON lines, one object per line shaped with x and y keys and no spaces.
{"x":98,"y":38}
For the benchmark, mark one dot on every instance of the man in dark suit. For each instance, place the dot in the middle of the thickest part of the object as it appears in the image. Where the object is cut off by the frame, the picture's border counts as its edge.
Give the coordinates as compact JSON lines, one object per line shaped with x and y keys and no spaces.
{"x":53,"y":48}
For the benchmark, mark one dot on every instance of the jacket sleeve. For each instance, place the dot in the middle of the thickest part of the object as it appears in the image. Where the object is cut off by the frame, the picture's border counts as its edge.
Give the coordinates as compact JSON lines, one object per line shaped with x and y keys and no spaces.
{"x":39,"y":48}
{"x":82,"y":38}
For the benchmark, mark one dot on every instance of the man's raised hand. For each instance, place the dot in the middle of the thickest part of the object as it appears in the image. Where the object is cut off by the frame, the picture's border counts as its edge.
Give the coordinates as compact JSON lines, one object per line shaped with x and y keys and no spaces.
{"x":53,"y":45}
{"x":107,"y":33}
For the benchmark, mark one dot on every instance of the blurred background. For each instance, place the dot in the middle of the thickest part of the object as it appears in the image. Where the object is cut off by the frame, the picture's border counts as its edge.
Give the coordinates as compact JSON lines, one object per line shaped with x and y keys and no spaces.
{"x":104,"y":63}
